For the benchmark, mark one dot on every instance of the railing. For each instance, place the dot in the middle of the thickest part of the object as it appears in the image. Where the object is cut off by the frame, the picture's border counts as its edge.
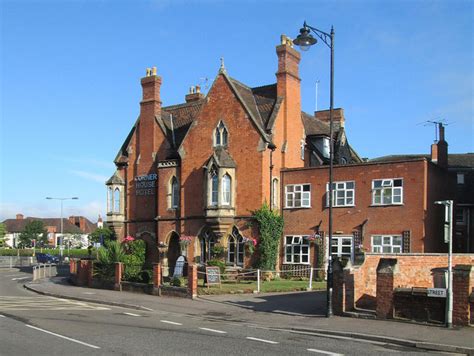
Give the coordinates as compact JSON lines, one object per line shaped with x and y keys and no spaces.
{"x":16,"y":261}
{"x":257,"y":278}
{"x":44,"y":270}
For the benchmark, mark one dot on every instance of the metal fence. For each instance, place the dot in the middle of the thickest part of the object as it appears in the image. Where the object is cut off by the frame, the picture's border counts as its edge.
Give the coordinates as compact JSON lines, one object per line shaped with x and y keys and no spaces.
{"x":44,"y":270}
{"x":16,"y":261}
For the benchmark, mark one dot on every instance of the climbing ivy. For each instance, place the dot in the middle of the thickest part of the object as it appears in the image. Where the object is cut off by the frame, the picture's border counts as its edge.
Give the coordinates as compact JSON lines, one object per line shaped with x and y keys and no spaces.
{"x":270,"y":226}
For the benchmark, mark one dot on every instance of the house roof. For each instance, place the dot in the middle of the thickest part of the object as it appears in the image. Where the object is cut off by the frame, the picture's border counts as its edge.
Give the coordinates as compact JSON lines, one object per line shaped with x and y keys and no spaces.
{"x":261,"y":103}
{"x":18,"y":225}
{"x":455,"y":160}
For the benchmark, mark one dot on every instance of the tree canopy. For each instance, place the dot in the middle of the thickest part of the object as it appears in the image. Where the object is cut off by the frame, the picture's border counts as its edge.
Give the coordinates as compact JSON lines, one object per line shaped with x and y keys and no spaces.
{"x":34,"y":230}
{"x":104,"y":232}
{"x":3,"y":232}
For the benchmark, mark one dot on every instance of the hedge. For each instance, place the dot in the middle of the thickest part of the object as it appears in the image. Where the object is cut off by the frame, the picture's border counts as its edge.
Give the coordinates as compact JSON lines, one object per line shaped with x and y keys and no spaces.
{"x":76,"y":252}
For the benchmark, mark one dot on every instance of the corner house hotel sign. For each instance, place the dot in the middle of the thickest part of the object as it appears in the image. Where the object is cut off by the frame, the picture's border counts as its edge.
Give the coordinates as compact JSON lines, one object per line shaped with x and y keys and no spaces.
{"x":146,"y":184}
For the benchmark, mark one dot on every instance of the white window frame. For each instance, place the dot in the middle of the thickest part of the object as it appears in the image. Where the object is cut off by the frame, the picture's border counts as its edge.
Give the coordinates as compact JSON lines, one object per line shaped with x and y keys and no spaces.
{"x":116,"y":201}
{"x":214,"y":191}
{"x":386,"y":243}
{"x":340,"y":241}
{"x":236,"y":258}
{"x":460,"y":178}
{"x":291,"y":193}
{"x":387,"y":189}
{"x":340,"y":191}
{"x":226,"y":189}
{"x":297,"y":247}
{"x":110,"y":200}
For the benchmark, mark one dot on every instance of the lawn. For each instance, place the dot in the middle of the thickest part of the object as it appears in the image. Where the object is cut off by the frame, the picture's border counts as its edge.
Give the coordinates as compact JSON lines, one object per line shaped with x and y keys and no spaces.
{"x":280,"y":285}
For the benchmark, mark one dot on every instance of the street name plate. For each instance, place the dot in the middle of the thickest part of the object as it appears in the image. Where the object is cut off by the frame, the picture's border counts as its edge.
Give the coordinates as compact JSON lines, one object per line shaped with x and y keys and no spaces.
{"x":437,"y":292}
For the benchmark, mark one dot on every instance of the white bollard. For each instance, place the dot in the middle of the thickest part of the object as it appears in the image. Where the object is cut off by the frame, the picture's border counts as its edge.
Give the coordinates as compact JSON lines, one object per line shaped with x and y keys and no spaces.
{"x":310,"y":287}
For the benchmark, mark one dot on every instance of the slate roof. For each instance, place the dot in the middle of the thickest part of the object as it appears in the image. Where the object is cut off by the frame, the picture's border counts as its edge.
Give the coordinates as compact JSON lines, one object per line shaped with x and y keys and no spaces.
{"x":261,"y":103}
{"x":115,"y":179}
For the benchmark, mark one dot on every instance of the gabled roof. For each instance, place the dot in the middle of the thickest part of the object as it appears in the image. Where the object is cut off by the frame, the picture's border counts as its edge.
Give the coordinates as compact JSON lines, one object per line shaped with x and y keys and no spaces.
{"x":221,"y":158}
{"x":115,"y":179}
{"x":313,"y":126}
{"x":18,"y":225}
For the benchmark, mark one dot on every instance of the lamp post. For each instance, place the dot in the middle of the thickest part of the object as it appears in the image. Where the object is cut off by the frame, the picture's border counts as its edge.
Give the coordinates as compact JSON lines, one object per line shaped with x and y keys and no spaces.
{"x":62,"y":225}
{"x":305,"y":40}
{"x":448,"y":238}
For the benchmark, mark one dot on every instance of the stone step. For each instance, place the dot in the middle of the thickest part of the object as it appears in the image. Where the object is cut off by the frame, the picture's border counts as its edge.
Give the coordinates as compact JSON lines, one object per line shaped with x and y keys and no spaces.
{"x":361,"y":314}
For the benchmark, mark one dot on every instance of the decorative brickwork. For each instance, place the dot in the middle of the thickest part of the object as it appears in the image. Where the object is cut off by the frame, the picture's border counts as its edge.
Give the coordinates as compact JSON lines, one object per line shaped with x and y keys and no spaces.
{"x":406,"y":241}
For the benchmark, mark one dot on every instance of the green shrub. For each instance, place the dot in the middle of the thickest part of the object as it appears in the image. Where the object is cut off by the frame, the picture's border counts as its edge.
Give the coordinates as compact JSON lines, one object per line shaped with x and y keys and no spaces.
{"x":176,"y":282}
{"x":217,"y":263}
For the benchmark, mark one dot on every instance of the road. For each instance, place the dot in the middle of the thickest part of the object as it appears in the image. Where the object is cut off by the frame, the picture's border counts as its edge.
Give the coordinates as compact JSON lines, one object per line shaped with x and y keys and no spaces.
{"x":31,"y":324}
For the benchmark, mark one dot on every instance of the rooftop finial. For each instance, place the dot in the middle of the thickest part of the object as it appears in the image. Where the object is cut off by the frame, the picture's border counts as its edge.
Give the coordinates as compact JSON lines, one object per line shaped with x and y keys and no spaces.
{"x":222,"y":68}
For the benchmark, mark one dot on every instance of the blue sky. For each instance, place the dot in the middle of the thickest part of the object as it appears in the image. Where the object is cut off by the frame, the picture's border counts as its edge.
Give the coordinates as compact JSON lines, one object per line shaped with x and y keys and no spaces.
{"x":70,"y":78}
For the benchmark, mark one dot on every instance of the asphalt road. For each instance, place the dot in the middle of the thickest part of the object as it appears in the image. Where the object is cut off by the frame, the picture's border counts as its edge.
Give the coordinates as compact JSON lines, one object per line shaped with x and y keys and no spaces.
{"x":31,"y":324}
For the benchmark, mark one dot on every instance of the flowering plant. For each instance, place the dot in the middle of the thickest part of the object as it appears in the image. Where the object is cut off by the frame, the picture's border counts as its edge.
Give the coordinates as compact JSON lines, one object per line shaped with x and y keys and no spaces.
{"x":126,"y":244}
{"x":251,"y":243}
{"x":128,"y":239}
{"x":314,"y":237}
{"x":184,"y":241}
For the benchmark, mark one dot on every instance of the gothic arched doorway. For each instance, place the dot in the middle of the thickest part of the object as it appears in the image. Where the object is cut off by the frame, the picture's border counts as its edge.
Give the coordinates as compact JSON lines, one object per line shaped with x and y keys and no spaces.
{"x":174,"y":251}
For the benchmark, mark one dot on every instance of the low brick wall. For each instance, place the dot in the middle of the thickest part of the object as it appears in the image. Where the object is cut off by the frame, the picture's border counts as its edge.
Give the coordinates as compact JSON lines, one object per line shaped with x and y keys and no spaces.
{"x":417,"y":271}
{"x":414,"y":304}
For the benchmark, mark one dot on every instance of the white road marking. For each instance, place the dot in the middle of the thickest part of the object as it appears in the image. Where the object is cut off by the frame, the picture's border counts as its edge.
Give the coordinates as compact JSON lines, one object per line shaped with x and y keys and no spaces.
{"x":63,"y":337}
{"x":214,"y":330}
{"x":131,"y":314}
{"x":325,"y":352}
{"x":19,"y":278}
{"x":262,"y":340}
{"x":170,"y":322}
{"x":2,"y":316}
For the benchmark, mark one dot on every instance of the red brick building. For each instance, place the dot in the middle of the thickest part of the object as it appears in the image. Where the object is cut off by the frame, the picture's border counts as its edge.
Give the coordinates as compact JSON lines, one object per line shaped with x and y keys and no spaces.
{"x":381,"y":206}
{"x":200,"y":168}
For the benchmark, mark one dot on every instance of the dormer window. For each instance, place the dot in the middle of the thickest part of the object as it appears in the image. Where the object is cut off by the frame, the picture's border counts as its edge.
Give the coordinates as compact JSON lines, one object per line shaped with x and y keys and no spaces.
{"x":220,"y":135}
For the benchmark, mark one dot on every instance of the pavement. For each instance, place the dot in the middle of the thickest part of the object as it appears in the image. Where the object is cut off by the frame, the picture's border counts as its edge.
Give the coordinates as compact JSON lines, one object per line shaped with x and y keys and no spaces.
{"x":298,"y":312}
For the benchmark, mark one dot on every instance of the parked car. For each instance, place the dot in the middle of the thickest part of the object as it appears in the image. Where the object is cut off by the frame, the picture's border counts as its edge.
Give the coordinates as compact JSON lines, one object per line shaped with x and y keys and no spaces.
{"x":46,"y":258}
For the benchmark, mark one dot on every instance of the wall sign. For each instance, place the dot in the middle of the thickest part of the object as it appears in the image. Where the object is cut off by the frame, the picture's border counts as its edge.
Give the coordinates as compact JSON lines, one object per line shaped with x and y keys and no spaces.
{"x":437,"y":292}
{"x":213,"y":276}
{"x":145,"y":184}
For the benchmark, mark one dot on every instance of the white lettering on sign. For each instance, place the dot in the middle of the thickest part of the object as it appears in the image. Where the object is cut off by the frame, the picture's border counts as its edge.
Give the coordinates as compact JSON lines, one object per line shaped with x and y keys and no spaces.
{"x":437,"y":292}
{"x":144,"y":185}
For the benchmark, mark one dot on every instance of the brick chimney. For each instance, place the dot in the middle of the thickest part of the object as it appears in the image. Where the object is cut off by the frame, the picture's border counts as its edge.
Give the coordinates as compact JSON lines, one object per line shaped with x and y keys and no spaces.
{"x":439,"y":150}
{"x":194,"y":94}
{"x":288,"y":87}
{"x":338,"y":119}
{"x":19,"y":216}
{"x":150,"y":108}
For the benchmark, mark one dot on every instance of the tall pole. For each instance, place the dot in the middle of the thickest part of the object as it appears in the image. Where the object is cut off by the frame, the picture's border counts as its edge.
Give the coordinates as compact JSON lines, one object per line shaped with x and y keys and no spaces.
{"x":62,"y":228}
{"x":449,"y":304}
{"x":331,"y":158}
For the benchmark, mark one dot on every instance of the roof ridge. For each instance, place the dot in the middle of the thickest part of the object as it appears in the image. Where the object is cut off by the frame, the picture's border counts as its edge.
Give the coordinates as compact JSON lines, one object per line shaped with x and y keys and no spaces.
{"x":191,"y":103}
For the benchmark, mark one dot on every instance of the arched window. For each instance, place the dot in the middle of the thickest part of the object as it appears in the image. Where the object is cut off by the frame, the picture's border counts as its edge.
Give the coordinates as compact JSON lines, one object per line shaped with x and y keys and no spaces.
{"x":110,"y":200}
{"x":221,"y":135}
{"x":174,"y":193}
{"x":206,"y":243}
{"x":275,"y":193}
{"x":235,"y":248}
{"x":117,"y":200}
{"x":226,"y":189}
{"x":214,"y":187}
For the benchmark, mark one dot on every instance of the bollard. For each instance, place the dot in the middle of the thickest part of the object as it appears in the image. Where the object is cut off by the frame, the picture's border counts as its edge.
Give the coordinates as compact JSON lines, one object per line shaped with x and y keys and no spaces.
{"x":258,"y":281}
{"x":310,"y":287}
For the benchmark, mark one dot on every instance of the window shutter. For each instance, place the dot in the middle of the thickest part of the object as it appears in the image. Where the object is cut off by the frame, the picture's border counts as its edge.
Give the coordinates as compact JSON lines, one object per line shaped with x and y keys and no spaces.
{"x":406,"y":241}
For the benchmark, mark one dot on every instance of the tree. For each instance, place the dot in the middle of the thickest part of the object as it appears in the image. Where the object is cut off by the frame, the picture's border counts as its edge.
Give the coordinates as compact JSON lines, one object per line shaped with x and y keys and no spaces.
{"x":270,"y":226}
{"x":102,"y":232}
{"x":3,"y":232}
{"x":34,"y":230}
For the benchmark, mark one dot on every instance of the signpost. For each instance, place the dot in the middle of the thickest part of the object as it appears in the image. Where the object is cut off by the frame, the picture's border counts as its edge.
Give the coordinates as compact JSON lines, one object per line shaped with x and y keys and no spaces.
{"x":213,"y":276}
{"x":178,"y":268}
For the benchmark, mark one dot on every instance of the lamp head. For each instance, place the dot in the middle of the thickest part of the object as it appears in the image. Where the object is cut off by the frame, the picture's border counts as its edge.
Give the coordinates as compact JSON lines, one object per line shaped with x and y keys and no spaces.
{"x":304,"y":40}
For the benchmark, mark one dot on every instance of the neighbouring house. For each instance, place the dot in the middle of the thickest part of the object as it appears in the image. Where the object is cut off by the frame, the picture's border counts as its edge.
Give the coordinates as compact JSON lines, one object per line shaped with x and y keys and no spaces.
{"x":198,"y":169}
{"x":76,"y":230}
{"x":385,"y":205}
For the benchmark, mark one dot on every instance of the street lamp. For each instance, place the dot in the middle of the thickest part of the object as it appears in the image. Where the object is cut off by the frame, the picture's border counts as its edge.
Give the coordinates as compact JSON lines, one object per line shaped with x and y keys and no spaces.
{"x":305,"y":40}
{"x":448,"y":237}
{"x":62,"y":225}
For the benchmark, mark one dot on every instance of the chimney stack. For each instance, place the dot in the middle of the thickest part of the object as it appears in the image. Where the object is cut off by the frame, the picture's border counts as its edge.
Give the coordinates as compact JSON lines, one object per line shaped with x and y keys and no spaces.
{"x":338,"y":119}
{"x":151,"y":85}
{"x":439,"y":150}
{"x":19,"y":216}
{"x":194,"y":94}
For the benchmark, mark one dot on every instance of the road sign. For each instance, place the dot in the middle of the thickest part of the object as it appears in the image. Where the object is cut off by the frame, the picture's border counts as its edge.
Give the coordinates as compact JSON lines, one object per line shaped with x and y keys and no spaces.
{"x":437,"y":292}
